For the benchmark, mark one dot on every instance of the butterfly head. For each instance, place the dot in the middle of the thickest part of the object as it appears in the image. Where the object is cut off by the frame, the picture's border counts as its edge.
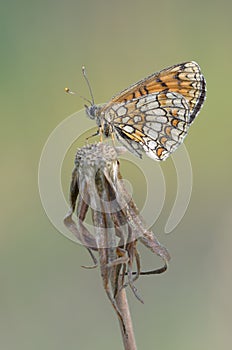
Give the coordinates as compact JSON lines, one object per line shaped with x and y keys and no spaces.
{"x":91,"y":111}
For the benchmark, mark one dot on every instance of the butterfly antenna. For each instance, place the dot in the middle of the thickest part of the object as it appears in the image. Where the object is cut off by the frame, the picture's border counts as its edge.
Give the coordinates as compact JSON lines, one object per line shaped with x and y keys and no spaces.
{"x":70,"y":92}
{"x":87,"y":81}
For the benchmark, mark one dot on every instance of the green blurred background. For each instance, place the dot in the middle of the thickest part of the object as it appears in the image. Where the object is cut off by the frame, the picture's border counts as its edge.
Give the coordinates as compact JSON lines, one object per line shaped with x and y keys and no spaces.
{"x":47,"y":301}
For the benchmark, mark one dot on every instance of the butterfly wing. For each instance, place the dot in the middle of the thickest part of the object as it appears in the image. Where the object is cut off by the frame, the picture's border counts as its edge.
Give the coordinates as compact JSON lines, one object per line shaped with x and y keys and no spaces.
{"x":156,"y":123}
{"x":185,"y":79}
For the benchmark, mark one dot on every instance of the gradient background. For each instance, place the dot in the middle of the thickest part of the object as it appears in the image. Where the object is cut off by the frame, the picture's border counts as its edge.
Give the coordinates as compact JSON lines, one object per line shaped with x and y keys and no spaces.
{"x":46,"y":300}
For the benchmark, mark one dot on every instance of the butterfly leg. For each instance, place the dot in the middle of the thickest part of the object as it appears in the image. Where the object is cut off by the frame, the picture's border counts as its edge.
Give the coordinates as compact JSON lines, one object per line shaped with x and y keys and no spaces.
{"x":93,"y":135}
{"x":101,"y":133}
{"x":113,"y":137}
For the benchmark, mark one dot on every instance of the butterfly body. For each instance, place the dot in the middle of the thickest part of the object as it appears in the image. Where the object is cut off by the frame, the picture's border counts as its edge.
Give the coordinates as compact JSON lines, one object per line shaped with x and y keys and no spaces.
{"x":154,"y":115}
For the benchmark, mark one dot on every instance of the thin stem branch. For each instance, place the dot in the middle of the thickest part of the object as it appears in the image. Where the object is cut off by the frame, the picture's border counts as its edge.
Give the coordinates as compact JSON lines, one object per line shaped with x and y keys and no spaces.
{"x":128,"y":337}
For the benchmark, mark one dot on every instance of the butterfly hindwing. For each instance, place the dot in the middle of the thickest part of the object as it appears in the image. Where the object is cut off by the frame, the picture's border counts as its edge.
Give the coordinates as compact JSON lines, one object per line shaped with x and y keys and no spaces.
{"x":156,"y":123}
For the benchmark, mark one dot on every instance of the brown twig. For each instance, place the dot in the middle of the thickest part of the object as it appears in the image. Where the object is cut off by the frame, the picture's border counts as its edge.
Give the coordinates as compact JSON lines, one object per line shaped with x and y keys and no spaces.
{"x":128,"y":337}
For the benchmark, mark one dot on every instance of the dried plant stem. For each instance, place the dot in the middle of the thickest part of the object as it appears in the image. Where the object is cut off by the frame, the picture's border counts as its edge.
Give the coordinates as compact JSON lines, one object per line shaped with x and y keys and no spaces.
{"x":96,"y":186}
{"x":128,"y":337}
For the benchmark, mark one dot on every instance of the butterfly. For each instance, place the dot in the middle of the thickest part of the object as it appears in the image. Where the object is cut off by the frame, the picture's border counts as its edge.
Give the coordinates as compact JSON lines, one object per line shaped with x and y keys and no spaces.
{"x":154,"y":114}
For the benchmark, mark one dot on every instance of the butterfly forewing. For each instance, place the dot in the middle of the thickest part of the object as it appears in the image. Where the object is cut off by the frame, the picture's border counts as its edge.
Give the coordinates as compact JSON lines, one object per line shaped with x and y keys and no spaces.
{"x":185,"y":79}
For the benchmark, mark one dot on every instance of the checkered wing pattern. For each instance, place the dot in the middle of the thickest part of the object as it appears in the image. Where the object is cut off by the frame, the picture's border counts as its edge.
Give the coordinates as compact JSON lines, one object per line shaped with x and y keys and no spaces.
{"x":156,"y":123}
{"x":154,"y":114}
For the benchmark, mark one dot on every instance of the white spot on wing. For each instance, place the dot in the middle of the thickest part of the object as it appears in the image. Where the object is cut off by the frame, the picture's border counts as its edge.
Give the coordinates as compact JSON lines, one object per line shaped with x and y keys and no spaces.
{"x":177,"y":102}
{"x":159,"y":111}
{"x":152,"y":144}
{"x":125,"y":120}
{"x":141,"y":102}
{"x":170,"y":95}
{"x":177,"y":135}
{"x":149,"y":106}
{"x":128,"y":129}
{"x":137,"y":118}
{"x":156,"y":126}
{"x":121,"y":111}
{"x":149,"y":132}
{"x":162,"y":119}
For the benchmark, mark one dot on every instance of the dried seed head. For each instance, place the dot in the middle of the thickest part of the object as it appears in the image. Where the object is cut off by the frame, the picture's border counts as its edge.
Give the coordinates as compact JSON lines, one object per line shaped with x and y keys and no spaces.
{"x":97,"y":186}
{"x":96,"y":155}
